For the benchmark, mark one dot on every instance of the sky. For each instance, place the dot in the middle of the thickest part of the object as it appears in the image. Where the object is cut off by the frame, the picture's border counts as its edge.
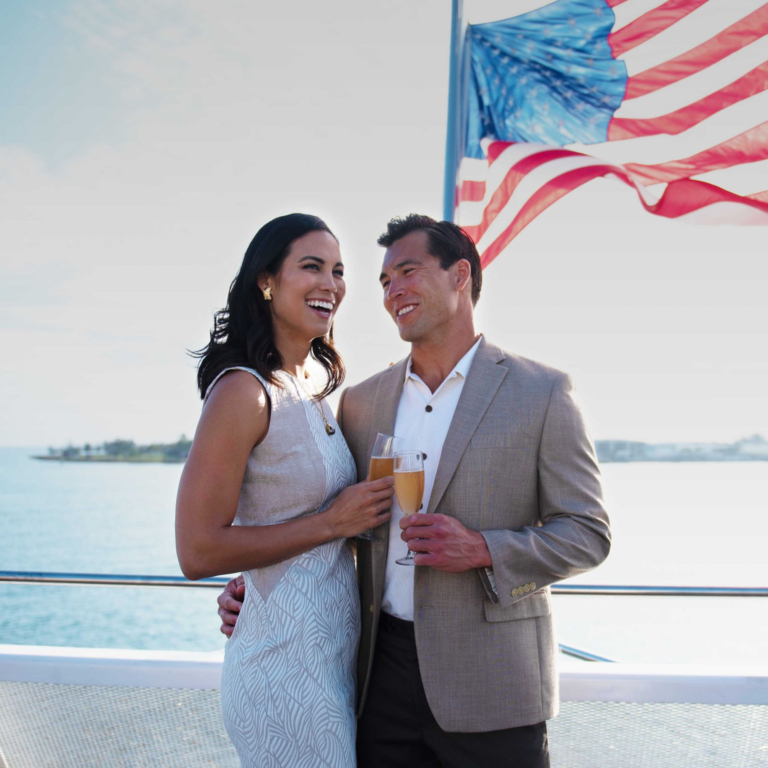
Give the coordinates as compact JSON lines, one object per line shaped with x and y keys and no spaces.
{"x":142,"y":145}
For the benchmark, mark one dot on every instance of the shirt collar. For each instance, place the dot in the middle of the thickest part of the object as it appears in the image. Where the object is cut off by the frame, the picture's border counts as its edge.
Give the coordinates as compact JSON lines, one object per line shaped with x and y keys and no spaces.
{"x":460,"y":369}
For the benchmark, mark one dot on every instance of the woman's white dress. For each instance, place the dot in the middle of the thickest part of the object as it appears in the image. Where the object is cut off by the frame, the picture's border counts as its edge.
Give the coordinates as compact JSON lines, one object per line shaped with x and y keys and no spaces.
{"x":288,"y":682}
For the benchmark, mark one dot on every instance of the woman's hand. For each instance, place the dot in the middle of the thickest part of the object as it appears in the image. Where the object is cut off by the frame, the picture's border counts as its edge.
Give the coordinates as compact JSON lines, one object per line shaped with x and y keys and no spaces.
{"x":361,"y":507}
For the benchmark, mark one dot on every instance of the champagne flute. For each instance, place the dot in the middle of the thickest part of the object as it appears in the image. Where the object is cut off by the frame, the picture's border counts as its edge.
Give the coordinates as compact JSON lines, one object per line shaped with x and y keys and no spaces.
{"x":409,"y":488}
{"x":381,"y":465}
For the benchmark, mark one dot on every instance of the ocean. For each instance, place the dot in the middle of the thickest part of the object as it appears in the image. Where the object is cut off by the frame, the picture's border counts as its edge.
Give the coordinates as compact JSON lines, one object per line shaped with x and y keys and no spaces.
{"x":702,"y":524}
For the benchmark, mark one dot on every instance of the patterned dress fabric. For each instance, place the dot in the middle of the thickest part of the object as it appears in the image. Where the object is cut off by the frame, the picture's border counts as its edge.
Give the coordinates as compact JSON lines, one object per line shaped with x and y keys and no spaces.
{"x":288,"y":685}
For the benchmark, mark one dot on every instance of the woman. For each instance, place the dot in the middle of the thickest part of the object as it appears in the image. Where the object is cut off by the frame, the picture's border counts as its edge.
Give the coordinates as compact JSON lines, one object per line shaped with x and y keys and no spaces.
{"x":267,"y":490}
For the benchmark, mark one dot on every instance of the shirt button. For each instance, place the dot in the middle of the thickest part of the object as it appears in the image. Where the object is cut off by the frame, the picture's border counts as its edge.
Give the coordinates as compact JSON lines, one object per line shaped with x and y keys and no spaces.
{"x":424,"y":456}
{"x":428,"y":409}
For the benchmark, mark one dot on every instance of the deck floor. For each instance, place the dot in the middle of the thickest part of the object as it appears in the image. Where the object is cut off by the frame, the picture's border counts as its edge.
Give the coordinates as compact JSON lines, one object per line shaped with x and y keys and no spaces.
{"x":44,"y":725}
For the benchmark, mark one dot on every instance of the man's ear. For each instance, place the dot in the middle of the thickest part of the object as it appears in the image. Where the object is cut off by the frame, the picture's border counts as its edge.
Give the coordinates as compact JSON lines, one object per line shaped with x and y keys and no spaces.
{"x":463,"y":274}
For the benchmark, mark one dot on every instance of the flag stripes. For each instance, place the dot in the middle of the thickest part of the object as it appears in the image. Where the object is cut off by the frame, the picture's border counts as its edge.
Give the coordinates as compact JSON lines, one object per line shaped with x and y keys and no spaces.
{"x":737,"y":36}
{"x":651,"y":24}
{"x":755,"y":81}
{"x":747,"y":147}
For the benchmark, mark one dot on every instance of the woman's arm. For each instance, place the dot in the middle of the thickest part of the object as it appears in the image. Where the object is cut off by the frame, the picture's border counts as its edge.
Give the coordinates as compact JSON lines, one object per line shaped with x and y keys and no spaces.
{"x":235,"y":418}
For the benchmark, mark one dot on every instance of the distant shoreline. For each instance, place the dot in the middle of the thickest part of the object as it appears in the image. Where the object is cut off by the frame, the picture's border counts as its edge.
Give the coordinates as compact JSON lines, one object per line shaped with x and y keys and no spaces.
{"x":99,"y":459}
{"x":748,"y":449}
{"x":754,"y":448}
{"x":687,"y":460}
{"x":121,"y":451}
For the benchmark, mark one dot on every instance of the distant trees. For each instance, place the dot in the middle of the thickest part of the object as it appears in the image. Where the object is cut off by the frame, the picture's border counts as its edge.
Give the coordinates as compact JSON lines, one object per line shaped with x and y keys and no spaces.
{"x":124,"y":450}
{"x":177,"y":451}
{"x":120,"y":448}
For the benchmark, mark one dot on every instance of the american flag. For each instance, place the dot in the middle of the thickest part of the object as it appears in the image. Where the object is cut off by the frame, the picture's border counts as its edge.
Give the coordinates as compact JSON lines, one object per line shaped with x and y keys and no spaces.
{"x":669,"y":97}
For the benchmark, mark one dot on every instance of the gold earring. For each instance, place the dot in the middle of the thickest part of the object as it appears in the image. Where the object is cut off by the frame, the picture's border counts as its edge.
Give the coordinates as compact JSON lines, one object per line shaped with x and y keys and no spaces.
{"x":267,"y":293}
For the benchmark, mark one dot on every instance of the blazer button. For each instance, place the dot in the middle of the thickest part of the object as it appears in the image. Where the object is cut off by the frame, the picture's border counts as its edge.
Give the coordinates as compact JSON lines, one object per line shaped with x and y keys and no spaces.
{"x":533,"y":585}
{"x":515,"y":592}
{"x":428,"y":409}
{"x":371,"y":609}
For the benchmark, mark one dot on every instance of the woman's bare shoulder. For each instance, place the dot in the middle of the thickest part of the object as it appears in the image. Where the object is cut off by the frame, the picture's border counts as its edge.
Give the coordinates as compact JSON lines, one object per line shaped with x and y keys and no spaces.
{"x":237,"y":405}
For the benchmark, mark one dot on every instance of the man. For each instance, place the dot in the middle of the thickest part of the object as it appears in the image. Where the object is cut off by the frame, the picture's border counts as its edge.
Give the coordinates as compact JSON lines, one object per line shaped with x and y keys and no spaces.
{"x":457,"y":656}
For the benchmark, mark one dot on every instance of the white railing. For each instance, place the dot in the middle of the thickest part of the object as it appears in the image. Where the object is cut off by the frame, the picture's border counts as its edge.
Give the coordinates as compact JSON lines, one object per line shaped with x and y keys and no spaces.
{"x":597,"y":681}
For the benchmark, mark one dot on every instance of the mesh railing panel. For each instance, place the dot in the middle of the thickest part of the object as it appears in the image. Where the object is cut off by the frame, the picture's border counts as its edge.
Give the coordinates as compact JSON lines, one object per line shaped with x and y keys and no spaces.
{"x":58,"y":726}
{"x":75,"y":726}
{"x":608,"y":735}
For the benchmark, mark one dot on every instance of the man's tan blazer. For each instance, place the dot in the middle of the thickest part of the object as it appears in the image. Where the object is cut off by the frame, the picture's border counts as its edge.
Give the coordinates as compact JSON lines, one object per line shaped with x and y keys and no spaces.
{"x":519,"y":467}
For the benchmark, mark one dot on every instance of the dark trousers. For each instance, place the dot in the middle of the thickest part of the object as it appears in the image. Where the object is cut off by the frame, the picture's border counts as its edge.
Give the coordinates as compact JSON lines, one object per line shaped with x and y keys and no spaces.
{"x":398,"y":729}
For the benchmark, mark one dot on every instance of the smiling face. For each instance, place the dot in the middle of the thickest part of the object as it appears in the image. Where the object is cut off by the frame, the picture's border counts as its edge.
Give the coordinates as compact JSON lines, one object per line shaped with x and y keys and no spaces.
{"x":308,"y":288}
{"x":421,"y":297}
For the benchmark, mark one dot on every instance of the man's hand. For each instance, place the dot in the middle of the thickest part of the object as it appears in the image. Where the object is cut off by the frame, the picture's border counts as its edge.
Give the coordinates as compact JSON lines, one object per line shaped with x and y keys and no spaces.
{"x":443,"y":543}
{"x":230,"y":602}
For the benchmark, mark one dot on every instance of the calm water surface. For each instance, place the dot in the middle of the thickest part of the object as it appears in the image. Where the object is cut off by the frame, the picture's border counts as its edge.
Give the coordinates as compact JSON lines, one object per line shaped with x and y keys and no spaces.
{"x":697,"y":524}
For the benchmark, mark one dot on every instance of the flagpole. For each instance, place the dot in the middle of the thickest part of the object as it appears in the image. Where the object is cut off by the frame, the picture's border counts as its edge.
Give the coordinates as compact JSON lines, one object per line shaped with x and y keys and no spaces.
{"x":454,"y":110}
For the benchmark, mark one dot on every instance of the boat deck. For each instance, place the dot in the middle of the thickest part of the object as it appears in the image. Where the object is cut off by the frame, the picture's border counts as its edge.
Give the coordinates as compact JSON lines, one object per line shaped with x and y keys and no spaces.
{"x":64,"y":707}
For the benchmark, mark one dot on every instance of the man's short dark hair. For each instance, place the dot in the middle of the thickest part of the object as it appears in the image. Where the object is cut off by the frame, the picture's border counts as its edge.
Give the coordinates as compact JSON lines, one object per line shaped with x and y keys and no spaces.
{"x":446,"y":241}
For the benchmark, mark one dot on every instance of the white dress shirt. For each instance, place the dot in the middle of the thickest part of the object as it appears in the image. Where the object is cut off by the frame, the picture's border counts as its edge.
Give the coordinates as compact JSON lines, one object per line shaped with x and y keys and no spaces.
{"x":423,"y":420}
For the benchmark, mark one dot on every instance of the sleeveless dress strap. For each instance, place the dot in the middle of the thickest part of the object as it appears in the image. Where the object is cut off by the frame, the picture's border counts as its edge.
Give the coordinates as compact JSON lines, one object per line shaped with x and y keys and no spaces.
{"x":239,"y":368}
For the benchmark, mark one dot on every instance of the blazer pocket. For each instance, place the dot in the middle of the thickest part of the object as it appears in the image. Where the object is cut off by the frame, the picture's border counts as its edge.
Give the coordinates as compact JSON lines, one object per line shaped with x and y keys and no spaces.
{"x":490,"y":440}
{"x":536,"y":604}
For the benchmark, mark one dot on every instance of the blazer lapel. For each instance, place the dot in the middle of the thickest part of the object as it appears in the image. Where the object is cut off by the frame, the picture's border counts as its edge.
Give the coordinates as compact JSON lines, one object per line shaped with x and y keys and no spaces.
{"x":384,"y":411}
{"x":483,"y":381}
{"x":383,"y":417}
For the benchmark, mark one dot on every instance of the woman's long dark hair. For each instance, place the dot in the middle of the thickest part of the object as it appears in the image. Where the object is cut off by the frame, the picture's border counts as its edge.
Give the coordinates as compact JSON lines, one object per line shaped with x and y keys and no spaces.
{"x":242,"y":332}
